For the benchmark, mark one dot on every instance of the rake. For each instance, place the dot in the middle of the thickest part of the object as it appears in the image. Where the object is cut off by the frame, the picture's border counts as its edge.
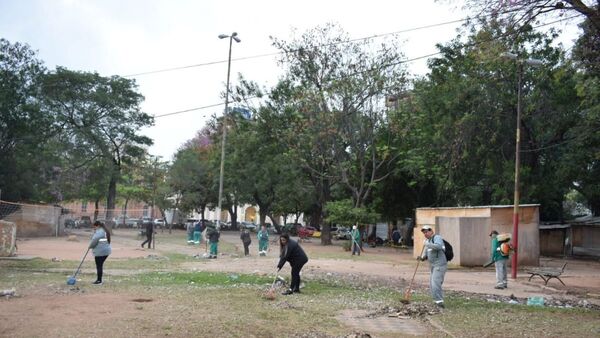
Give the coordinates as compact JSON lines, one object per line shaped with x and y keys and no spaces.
{"x":406,"y":299}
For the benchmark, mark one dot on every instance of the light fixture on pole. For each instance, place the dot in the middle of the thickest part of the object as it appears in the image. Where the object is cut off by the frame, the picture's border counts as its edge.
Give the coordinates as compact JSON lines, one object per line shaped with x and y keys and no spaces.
{"x":520,"y":62}
{"x":231,"y":37}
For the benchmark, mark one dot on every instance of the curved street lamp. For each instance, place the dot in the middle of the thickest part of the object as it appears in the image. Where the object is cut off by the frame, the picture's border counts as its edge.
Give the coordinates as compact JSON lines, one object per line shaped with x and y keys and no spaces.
{"x":520,"y":62}
{"x":233,"y":36}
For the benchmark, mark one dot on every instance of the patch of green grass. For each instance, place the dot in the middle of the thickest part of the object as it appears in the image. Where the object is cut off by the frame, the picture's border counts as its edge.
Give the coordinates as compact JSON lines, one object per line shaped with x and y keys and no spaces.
{"x":225,"y":304}
{"x":475,"y":317}
{"x":200,"y":278}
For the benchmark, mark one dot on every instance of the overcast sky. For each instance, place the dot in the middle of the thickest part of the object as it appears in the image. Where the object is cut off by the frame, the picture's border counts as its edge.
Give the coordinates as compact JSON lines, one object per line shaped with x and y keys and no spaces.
{"x":125,"y":37}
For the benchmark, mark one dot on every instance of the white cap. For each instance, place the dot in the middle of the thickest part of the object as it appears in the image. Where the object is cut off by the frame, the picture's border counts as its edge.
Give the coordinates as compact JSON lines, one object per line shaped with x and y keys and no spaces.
{"x":426,"y":227}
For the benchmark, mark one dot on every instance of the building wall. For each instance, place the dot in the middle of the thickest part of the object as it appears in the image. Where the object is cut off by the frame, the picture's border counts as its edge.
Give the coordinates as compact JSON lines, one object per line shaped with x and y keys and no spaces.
{"x":552,"y":242}
{"x":35,"y":220}
{"x":529,"y":233}
{"x":465,"y":234}
{"x":135,"y":209}
{"x":471,"y":227}
{"x":586,"y":240}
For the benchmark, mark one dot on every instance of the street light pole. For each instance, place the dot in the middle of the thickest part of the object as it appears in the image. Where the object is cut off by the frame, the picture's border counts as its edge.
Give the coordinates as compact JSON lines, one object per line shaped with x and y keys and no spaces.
{"x":520,"y":63}
{"x":231,"y":37}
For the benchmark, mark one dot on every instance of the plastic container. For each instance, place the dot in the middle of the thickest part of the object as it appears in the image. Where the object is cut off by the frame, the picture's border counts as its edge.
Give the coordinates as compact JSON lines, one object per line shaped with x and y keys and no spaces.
{"x":535,"y":301}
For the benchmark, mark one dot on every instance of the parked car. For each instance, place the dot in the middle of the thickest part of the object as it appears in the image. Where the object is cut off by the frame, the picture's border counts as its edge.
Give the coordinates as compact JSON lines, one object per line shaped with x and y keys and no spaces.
{"x":159,"y":222}
{"x":70,"y":223}
{"x":306,"y":231}
{"x":292,"y":228}
{"x":147,"y":220}
{"x":84,"y":222}
{"x":248,"y":225}
{"x":226,"y":225}
{"x":342,"y":233}
{"x":127,"y":222}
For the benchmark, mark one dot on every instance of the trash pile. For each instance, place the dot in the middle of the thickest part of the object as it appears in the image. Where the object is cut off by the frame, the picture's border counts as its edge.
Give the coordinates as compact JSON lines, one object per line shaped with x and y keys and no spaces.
{"x":541,"y":301}
{"x":406,"y":311}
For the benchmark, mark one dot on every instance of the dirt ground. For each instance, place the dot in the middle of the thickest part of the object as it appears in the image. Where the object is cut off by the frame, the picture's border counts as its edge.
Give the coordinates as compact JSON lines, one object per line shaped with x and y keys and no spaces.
{"x":394,"y":267}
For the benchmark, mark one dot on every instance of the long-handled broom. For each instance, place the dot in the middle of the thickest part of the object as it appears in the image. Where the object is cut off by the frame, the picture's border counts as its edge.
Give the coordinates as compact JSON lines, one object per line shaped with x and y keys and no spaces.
{"x":271,"y":293}
{"x":73,"y":279}
{"x":406,"y":299}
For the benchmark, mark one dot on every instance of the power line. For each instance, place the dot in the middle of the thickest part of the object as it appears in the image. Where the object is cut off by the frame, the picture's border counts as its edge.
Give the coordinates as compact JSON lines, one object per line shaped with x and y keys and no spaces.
{"x":342,"y":42}
{"x":389,"y":65}
{"x":279,"y":53}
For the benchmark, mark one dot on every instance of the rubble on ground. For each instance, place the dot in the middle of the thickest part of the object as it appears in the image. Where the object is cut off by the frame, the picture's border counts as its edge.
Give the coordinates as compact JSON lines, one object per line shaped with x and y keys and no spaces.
{"x":405,"y":311}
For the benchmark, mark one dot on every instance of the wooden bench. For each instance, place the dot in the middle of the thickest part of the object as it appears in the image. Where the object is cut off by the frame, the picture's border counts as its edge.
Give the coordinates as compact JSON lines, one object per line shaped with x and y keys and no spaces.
{"x":547,"y":273}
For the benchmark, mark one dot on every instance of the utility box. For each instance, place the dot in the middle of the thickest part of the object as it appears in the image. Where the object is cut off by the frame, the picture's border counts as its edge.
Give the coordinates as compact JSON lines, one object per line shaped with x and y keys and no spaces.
{"x":467,"y":229}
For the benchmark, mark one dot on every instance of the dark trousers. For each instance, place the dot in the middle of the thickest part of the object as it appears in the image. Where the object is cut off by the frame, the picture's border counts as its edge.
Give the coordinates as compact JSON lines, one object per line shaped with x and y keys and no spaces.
{"x":148,"y":239}
{"x":295,"y":284}
{"x":246,"y":248}
{"x":99,"y":265}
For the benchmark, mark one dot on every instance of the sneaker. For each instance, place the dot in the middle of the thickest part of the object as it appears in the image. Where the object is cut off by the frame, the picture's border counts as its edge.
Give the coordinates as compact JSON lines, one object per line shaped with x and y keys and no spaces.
{"x":499,"y":287}
{"x":287,"y":292}
{"x":98,"y":282}
{"x":297,"y":291}
{"x":440,"y":305}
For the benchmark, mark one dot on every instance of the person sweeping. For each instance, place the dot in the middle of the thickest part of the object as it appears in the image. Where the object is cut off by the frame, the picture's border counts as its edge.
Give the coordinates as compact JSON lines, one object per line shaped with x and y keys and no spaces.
{"x":434,"y":253}
{"x":100,"y":245}
{"x":356,"y":241}
{"x":291,"y":251}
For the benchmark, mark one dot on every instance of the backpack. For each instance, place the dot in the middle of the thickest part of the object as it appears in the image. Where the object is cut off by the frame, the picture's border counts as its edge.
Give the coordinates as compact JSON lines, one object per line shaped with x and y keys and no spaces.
{"x":448,"y":251}
{"x":505,"y":249}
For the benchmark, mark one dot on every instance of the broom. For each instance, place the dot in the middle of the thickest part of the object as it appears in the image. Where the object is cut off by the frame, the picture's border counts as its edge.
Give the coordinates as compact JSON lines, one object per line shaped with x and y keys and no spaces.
{"x":271,"y":293}
{"x":406,"y":299}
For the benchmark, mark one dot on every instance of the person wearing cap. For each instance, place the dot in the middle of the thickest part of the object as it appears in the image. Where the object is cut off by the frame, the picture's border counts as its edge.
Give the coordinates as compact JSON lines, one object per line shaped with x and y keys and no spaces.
{"x":355,"y":235}
{"x":500,"y":260}
{"x":434,"y":252}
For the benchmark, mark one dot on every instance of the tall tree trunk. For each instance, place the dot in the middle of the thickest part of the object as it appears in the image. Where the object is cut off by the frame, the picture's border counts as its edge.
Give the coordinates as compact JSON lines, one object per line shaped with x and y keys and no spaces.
{"x":112,"y":196}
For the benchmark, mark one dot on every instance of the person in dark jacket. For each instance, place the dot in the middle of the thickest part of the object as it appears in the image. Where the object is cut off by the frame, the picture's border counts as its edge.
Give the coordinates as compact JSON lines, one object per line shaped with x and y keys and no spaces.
{"x":291,"y":251}
{"x":198,"y":228}
{"x":149,"y":232}
{"x":213,"y":238}
{"x":245,"y":237}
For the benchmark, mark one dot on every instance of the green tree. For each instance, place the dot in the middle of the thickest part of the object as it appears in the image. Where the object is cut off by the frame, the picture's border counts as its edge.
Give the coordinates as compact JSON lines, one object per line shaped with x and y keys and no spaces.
{"x":191,"y":177}
{"x":101,"y":119}
{"x":26,"y":132}
{"x":582,"y":163}
{"x":332,"y":100}
{"x":464,"y":113}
